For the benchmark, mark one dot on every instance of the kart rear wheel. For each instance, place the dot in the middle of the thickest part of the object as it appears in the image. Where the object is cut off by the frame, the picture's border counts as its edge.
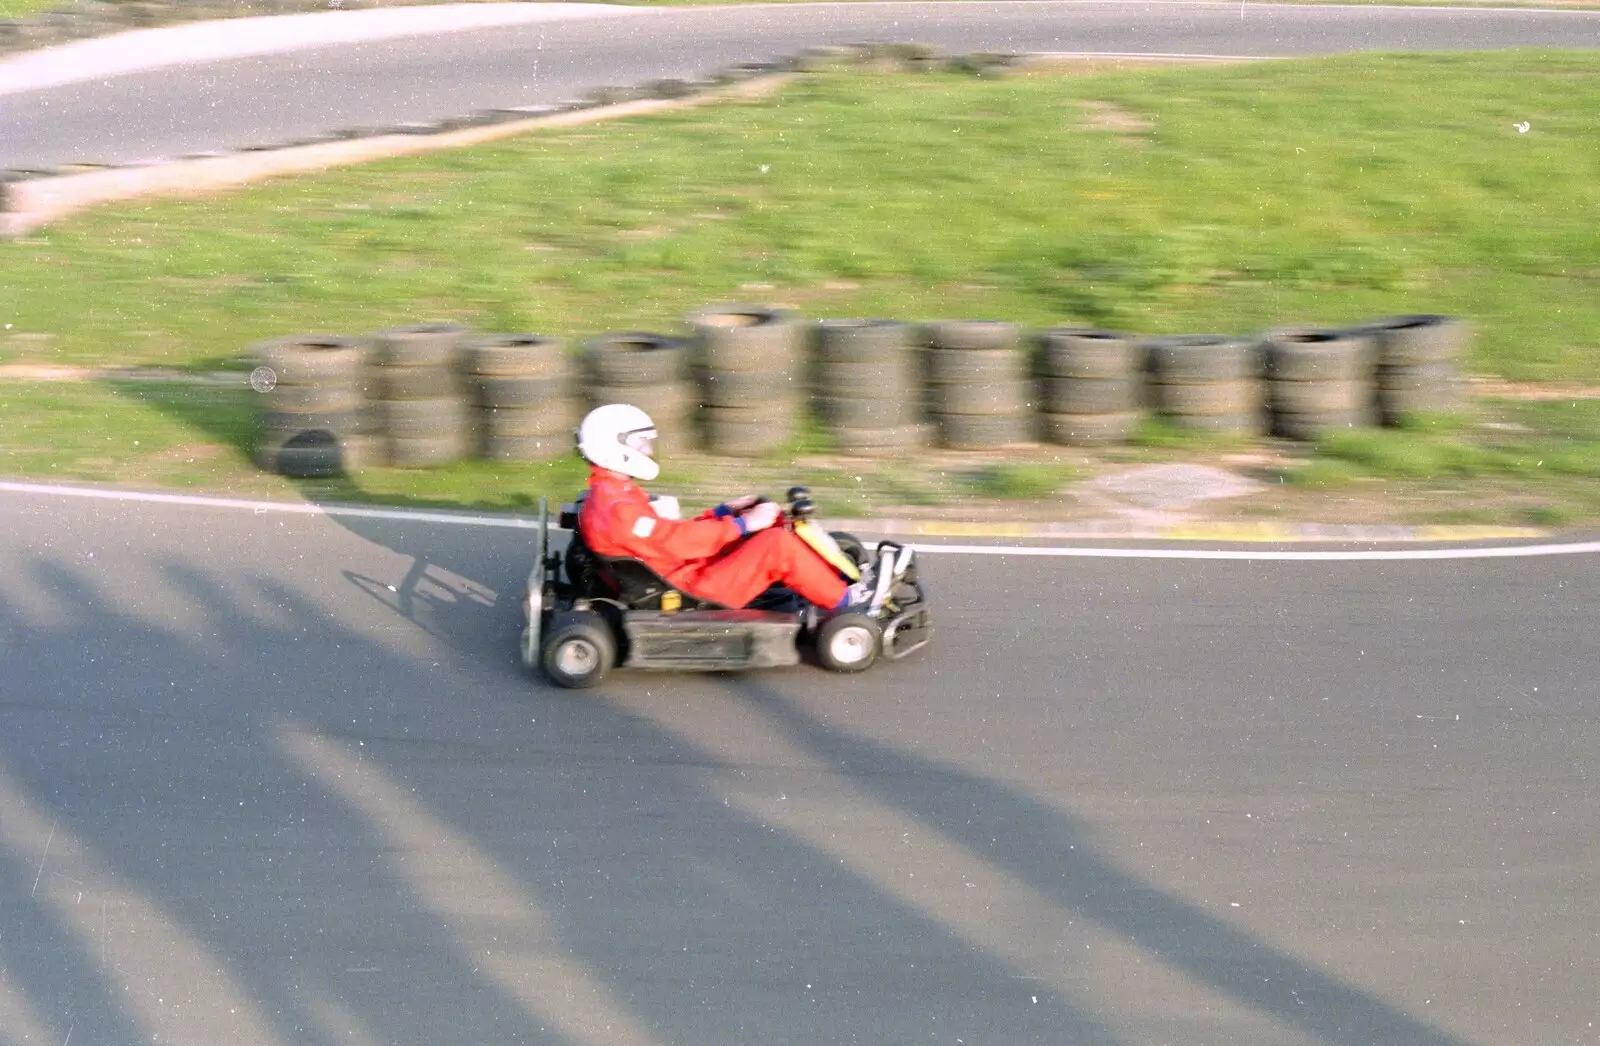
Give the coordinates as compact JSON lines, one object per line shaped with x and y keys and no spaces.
{"x":579,"y":651}
{"x":849,"y":642}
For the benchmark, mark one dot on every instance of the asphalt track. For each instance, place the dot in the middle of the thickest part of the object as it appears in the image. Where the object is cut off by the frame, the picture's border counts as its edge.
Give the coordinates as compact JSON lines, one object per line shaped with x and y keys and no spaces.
{"x":272,"y":98}
{"x":271,"y":777}
{"x":276,"y":778}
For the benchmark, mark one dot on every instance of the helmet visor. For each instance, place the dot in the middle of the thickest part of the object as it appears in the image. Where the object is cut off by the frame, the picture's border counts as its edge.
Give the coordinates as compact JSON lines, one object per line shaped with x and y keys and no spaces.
{"x":641,"y":440}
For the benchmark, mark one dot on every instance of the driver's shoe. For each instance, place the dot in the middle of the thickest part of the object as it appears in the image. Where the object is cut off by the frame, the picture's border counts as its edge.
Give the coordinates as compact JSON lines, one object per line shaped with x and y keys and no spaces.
{"x":857,"y":599}
{"x":859,"y":595}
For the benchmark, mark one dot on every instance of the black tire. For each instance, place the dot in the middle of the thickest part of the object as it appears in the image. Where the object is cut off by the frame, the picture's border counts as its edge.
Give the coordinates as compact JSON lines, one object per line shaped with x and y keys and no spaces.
{"x":1317,"y":397}
{"x":304,"y":454}
{"x":1396,"y":405}
{"x":867,"y":380}
{"x":496,"y":391}
{"x":497,"y":447}
{"x":1314,"y":426}
{"x":862,"y":342}
{"x":416,"y":383}
{"x":662,"y":402}
{"x":994,"y":398}
{"x":578,"y":650}
{"x":851,"y":546}
{"x":1247,"y":423}
{"x":420,"y":345}
{"x":746,"y":338}
{"x":513,"y":355}
{"x":1410,"y":340}
{"x":1227,"y":397}
{"x":849,"y":642}
{"x":968,"y":366}
{"x":552,"y":419}
{"x":1089,"y":430}
{"x":1200,"y":359}
{"x":296,"y":399}
{"x":843,"y":413}
{"x":740,"y":433}
{"x":1420,"y":376}
{"x":634,"y":358}
{"x":283,"y":424}
{"x":1090,"y":395}
{"x":982,"y":432}
{"x":304,"y":461}
{"x":870,"y":442}
{"x":752,"y":388}
{"x":422,"y":419}
{"x":972,"y":335}
{"x":1071,"y":352}
{"x":312,"y":359}
{"x":1316,"y":354}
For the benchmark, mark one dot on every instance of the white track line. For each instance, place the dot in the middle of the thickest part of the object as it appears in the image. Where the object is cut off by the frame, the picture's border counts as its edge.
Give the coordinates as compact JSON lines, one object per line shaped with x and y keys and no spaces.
{"x":508,"y":522}
{"x":1281,"y":555}
{"x":289,"y":508}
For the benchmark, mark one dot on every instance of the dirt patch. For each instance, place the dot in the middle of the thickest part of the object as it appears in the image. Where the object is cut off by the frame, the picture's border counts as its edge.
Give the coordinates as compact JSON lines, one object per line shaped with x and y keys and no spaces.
{"x":186,"y":453}
{"x":1494,"y":388}
{"x":1104,"y":116}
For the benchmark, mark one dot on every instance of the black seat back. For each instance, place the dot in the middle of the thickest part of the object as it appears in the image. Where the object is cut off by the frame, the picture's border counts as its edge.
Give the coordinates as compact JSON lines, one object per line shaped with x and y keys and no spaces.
{"x":636,"y":585}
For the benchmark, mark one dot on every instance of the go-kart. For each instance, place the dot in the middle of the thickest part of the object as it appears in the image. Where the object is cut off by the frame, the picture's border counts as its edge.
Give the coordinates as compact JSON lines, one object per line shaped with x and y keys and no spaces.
{"x":586,"y":613}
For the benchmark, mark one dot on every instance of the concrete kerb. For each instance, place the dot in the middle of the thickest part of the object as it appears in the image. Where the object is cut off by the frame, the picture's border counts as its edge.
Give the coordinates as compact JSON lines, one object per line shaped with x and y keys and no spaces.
{"x":1253,"y":533}
{"x":31,"y":203}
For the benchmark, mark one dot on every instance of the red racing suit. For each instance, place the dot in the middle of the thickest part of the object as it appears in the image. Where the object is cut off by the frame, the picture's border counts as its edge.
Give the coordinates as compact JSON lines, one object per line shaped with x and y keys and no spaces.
{"x":705,"y":557}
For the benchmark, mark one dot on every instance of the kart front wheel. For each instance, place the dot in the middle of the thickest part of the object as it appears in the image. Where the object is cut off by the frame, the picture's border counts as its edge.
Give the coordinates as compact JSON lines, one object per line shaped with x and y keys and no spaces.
{"x":849,"y":643}
{"x":579,"y":651}
{"x":851,"y":546}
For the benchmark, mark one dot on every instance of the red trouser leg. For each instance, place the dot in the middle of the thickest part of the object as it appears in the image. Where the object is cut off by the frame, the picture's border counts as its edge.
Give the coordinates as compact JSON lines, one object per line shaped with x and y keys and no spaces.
{"x":775,"y":555}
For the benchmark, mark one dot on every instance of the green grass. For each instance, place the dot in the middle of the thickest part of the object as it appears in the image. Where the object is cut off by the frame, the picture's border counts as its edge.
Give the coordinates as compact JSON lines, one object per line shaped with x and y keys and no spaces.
{"x":1537,"y":462}
{"x":24,"y":8}
{"x":1231,"y":199}
{"x":1310,"y":191}
{"x":1018,"y":481}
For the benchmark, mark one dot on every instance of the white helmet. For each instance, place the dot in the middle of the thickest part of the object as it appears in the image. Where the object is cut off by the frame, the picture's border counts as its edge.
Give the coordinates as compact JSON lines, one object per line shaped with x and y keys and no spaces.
{"x":620,"y":437}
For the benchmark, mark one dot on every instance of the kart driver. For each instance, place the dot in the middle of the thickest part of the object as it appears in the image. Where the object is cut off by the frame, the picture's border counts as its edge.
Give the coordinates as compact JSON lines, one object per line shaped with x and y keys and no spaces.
{"x":728,"y":555}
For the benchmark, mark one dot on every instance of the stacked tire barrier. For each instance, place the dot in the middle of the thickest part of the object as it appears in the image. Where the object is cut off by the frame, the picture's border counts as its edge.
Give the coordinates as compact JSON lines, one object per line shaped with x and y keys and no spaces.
{"x":421,"y":409}
{"x":429,"y":395}
{"x":1318,"y":381}
{"x":865,"y":385}
{"x":1090,"y":386}
{"x":979,"y":395}
{"x":311,"y":417}
{"x":1418,"y":365}
{"x":745,"y":360}
{"x":521,"y":390}
{"x":648,"y":371}
{"x":1206,"y":383}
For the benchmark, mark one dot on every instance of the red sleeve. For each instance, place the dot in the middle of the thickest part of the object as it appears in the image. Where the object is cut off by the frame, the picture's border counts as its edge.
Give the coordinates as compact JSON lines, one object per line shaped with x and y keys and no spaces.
{"x":647,"y":532}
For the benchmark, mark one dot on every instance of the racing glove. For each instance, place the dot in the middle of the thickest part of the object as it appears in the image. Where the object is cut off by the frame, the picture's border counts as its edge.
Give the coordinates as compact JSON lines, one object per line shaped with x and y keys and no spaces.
{"x":758,"y":517}
{"x":734,"y":506}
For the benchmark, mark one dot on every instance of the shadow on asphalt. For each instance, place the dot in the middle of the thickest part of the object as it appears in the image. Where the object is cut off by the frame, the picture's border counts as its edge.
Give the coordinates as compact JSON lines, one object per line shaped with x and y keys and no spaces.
{"x":367,"y":824}
{"x":1054,"y":855}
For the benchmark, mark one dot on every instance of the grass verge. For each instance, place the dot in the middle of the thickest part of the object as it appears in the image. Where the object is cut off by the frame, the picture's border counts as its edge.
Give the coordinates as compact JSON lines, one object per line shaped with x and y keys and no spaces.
{"x":1326,"y":191}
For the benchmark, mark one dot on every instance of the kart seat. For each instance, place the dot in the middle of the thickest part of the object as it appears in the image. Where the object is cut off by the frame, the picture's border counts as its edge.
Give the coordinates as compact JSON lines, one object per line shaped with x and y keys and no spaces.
{"x":640,"y":588}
